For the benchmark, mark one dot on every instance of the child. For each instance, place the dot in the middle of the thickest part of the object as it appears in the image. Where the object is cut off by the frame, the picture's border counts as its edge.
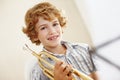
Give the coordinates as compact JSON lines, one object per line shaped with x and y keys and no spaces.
{"x":44,"y":25}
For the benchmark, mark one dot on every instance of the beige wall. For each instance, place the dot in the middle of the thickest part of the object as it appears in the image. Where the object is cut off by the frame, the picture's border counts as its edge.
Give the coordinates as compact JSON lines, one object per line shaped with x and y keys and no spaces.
{"x":12,"y":57}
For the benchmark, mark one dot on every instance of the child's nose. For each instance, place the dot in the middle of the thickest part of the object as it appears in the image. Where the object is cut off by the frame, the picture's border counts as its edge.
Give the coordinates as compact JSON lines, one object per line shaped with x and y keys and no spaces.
{"x":52,"y":30}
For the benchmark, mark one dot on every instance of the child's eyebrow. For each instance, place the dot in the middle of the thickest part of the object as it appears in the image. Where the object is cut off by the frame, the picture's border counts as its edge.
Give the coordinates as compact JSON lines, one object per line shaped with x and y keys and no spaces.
{"x":42,"y":25}
{"x":55,"y":21}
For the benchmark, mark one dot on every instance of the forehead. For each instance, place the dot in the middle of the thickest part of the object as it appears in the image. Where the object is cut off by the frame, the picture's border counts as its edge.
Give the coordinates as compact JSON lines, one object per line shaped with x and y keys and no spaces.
{"x":42,"y":21}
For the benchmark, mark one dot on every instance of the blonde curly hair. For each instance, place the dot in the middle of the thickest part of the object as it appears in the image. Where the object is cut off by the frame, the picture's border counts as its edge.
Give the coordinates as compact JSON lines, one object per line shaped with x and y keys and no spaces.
{"x":44,"y":10}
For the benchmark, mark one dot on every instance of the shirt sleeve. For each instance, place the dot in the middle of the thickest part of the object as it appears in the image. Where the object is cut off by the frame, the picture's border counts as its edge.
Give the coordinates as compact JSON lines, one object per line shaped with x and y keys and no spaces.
{"x":90,"y":60}
{"x":37,"y":74}
{"x":83,"y":49}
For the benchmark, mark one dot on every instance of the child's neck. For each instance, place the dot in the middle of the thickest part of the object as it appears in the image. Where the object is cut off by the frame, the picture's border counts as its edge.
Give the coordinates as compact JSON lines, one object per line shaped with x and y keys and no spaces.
{"x":61,"y":49}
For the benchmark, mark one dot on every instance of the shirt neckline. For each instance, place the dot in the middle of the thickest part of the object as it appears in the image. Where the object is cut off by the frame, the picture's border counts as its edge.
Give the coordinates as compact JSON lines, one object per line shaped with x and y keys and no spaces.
{"x":66,"y":44}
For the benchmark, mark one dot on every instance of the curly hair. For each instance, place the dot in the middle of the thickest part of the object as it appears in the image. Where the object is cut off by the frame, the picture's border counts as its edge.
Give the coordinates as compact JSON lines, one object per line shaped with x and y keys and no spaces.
{"x":44,"y":10}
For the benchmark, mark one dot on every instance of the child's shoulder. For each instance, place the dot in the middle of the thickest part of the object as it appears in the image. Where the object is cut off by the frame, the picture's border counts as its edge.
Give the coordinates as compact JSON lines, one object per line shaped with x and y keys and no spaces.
{"x":78,"y":45}
{"x":83,"y":46}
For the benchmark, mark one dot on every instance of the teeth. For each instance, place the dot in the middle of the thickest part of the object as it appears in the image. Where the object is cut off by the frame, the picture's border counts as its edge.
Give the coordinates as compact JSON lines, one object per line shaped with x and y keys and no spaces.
{"x":52,"y":38}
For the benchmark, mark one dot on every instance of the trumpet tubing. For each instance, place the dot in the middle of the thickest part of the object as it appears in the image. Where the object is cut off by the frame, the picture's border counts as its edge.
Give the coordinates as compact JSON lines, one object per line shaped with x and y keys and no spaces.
{"x":49,"y":73}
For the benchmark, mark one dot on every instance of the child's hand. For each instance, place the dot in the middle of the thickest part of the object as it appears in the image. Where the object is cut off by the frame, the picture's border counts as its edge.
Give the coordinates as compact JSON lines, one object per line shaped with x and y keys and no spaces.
{"x":62,"y":71}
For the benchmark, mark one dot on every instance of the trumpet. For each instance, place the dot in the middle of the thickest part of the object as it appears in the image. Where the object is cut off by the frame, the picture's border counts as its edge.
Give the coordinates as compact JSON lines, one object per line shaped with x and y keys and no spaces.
{"x":48,"y":72}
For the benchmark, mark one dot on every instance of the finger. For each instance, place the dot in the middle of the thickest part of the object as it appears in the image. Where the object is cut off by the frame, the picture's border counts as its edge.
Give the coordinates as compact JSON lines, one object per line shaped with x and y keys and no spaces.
{"x":66,"y":70}
{"x":58,"y":64}
{"x":63,"y":67}
{"x":57,"y":70}
{"x":70,"y":77}
{"x":70,"y":70}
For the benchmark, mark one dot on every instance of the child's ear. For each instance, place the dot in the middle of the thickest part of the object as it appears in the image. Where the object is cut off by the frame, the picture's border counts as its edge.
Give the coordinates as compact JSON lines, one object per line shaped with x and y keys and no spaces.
{"x":36,"y":39}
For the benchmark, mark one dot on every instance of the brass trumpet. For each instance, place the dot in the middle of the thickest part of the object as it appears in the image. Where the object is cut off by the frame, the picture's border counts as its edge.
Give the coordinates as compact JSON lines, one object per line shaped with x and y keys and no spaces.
{"x":49,"y":73}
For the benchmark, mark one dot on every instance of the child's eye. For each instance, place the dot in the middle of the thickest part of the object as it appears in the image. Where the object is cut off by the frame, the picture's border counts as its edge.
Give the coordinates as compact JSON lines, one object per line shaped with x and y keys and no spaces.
{"x":42,"y":28}
{"x":55,"y":24}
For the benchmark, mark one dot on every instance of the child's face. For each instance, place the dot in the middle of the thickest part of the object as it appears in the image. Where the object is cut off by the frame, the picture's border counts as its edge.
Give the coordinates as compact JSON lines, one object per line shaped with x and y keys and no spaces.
{"x":49,"y":32}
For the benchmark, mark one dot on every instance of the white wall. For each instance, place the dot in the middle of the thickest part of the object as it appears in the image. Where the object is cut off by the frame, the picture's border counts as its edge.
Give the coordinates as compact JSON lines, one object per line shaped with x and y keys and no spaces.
{"x":103,"y":20}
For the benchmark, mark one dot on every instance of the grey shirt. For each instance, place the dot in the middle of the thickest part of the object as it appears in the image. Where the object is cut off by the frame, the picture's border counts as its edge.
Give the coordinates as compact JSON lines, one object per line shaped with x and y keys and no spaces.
{"x":77,"y":55}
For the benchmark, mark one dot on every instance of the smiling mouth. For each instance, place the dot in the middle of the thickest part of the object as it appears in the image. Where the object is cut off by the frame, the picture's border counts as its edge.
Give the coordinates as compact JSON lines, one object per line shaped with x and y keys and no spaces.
{"x":53,"y":37}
